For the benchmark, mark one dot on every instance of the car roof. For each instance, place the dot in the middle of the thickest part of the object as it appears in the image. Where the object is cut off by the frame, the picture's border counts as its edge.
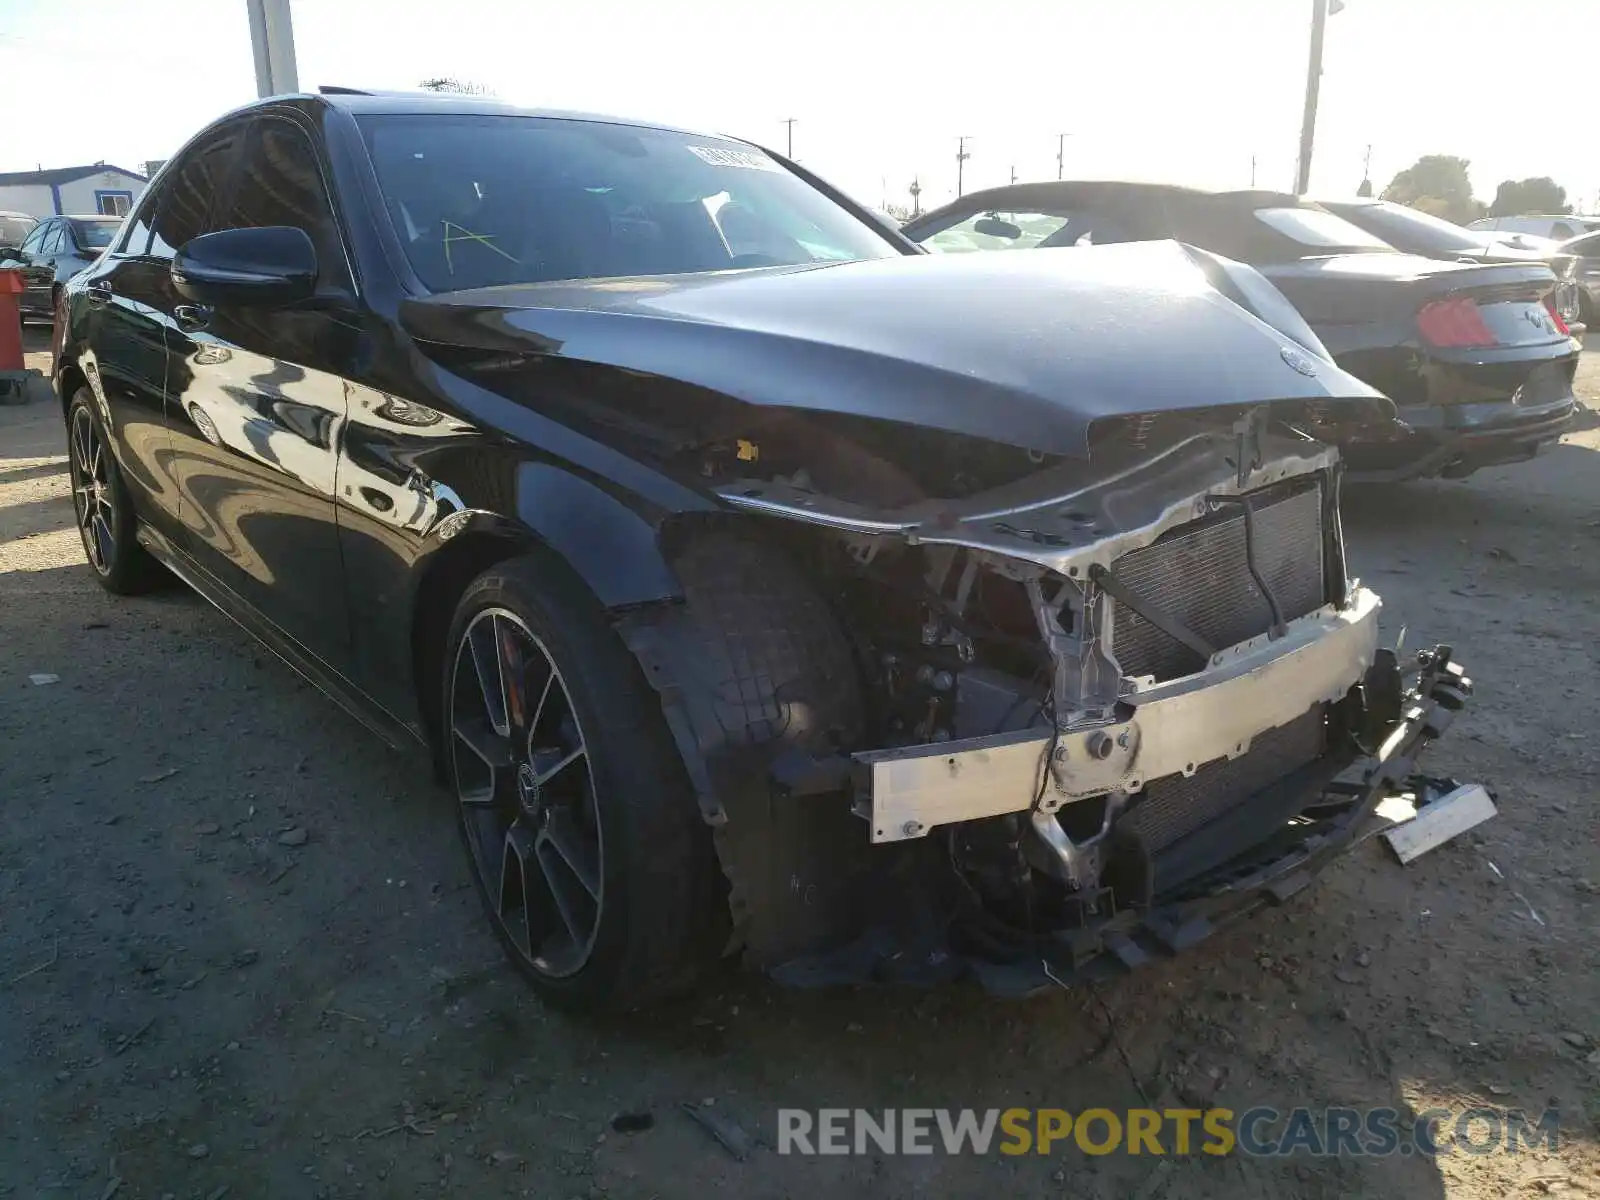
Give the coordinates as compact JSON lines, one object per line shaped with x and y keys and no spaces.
{"x":361,"y":103}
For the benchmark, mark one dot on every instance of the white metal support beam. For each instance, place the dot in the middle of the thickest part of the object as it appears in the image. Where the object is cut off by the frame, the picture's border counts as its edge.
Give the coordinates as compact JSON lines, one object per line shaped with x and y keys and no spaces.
{"x":272,"y":39}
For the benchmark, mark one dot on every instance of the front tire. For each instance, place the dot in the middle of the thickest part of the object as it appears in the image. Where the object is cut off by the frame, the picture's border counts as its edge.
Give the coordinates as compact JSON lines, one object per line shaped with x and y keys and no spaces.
{"x":581,"y":829}
{"x":102,"y":506}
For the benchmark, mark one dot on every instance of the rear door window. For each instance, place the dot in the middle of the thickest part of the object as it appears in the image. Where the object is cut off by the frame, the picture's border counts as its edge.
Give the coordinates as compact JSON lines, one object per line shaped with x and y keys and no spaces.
{"x":35,"y":239}
{"x":135,"y":238}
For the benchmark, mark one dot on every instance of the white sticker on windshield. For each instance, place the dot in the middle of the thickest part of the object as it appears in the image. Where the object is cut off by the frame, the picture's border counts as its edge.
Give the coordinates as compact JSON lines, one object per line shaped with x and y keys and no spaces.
{"x":729,"y":156}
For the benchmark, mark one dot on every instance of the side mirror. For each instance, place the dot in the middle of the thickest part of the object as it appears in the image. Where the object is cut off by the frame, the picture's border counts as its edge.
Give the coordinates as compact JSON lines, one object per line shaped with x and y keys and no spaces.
{"x":268,"y":267}
{"x":10,"y":254}
{"x":994,"y":227}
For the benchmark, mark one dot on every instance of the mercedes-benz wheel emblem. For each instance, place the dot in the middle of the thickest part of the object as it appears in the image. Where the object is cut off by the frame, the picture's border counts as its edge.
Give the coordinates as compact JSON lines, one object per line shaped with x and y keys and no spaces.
{"x":528,"y":788}
{"x":1299,"y":360}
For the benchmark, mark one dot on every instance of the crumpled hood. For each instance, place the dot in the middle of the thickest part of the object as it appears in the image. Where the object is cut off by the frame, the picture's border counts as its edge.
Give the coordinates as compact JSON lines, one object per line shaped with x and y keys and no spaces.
{"x":1028,"y":349}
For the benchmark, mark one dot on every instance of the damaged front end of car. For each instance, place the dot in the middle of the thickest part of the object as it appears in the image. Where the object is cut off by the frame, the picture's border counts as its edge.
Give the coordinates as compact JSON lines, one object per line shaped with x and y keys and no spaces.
{"x":1100,"y":706}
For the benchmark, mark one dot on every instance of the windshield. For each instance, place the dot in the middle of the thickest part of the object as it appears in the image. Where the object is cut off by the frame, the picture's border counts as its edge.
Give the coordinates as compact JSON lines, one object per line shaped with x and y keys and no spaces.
{"x":96,"y":235}
{"x":479,"y":201}
{"x":1323,"y":230}
{"x":14,"y":229}
{"x":1411,"y":229}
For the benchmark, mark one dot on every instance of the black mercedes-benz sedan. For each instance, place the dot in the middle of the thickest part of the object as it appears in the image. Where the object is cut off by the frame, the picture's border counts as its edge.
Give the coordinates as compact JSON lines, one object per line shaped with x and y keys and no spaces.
{"x":759,"y":583}
{"x":1477,"y":356}
{"x":54,"y":251}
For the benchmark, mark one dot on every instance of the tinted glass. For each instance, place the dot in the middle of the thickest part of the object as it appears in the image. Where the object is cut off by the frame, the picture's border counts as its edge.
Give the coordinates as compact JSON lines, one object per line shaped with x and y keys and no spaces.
{"x":1319,"y":230}
{"x":1588,"y":246}
{"x":35,"y":239}
{"x":183,"y":209}
{"x":279,"y":183}
{"x":95,"y":235}
{"x":55,"y":241}
{"x":483,"y":200}
{"x":1411,"y":229}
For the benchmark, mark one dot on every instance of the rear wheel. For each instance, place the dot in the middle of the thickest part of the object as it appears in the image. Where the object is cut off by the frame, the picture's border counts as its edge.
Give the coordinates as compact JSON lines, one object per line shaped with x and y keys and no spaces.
{"x":580,"y":826}
{"x":101,"y":504}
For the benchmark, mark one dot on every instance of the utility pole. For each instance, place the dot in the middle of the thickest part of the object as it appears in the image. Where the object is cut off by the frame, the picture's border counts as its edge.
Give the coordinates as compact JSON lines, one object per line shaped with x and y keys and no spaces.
{"x":916,"y":198}
{"x":1308,"y":121}
{"x":789,"y":121}
{"x":1013,"y":176}
{"x":961,"y":164}
{"x":272,"y":40}
{"x":1061,"y":155}
{"x":1252,"y":170}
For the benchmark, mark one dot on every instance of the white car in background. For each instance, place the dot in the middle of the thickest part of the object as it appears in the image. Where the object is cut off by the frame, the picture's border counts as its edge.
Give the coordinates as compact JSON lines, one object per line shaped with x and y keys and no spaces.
{"x":1557,"y":227}
{"x":14,"y":226}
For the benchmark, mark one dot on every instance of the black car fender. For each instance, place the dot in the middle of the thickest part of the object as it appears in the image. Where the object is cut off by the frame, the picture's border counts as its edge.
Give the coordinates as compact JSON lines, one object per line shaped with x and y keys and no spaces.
{"x":615,"y":550}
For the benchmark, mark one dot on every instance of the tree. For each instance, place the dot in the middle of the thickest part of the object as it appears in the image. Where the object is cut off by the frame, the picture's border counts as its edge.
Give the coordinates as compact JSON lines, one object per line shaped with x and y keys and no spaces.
{"x":461,"y":87}
{"x":1541,"y":194}
{"x":1440,"y":180}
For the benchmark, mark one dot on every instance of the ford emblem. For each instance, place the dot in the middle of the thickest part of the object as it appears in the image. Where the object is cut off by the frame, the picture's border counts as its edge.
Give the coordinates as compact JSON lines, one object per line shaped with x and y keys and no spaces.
{"x":1299,"y":360}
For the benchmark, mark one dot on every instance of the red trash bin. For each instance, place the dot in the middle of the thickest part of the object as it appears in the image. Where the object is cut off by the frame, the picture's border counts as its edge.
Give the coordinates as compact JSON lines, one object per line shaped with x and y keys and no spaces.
{"x":11,"y":285}
{"x":13,"y":378}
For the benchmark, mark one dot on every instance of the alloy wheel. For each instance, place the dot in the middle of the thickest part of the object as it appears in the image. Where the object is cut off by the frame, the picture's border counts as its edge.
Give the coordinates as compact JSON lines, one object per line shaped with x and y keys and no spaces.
{"x":92,"y":495}
{"x":526,"y":792}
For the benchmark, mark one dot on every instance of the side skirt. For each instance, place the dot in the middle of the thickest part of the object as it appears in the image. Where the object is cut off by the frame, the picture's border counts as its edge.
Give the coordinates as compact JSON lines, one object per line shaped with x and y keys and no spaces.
{"x":389,"y":728}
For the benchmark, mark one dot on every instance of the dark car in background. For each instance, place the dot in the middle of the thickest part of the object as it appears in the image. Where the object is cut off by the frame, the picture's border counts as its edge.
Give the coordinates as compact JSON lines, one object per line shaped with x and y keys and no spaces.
{"x":759,"y":582}
{"x":1417,"y":232}
{"x":1474,"y":354}
{"x":53,"y":252}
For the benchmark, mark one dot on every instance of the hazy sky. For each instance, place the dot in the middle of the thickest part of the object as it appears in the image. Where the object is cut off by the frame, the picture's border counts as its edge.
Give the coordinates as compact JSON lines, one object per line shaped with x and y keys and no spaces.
{"x":1186,"y":90}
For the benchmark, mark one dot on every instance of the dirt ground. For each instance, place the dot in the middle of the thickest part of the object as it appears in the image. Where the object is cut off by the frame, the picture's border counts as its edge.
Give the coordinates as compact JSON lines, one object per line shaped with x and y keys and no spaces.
{"x":191,"y":1007}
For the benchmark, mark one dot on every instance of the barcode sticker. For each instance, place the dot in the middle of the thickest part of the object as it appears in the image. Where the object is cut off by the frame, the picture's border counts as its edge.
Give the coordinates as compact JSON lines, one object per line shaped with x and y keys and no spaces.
{"x":731,"y":156}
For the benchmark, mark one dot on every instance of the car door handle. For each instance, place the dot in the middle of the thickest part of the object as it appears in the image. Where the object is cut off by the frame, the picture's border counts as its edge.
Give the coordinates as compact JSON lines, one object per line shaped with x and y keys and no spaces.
{"x":98,"y":292}
{"x":192,"y":316}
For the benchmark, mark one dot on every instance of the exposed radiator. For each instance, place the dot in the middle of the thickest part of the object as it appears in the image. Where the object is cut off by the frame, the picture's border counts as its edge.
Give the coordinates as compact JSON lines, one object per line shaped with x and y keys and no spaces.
{"x":1198,"y":573}
{"x":1177,"y":805}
